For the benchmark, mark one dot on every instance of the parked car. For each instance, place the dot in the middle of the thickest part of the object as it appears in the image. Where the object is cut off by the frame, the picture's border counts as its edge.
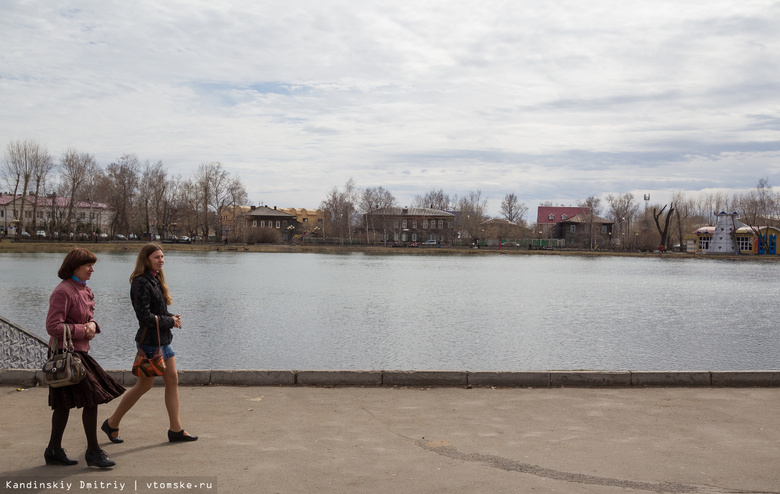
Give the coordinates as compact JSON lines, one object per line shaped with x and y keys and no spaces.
{"x":25,"y":235}
{"x":41,"y":234}
{"x":104,"y":236}
{"x":184,"y":239}
{"x":119,"y":236}
{"x":430,"y":242}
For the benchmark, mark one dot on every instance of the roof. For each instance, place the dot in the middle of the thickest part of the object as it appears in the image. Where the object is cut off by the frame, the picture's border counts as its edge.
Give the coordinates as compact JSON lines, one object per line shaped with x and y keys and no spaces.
{"x":549,"y":215}
{"x":399,"y":211}
{"x":745,"y":229}
{"x":499,"y":221}
{"x":586,"y":218}
{"x":266,"y":211}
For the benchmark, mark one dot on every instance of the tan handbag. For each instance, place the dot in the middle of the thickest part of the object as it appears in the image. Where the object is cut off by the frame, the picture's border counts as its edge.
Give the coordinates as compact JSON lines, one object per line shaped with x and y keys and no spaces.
{"x":149,"y":367}
{"x":63,"y":368}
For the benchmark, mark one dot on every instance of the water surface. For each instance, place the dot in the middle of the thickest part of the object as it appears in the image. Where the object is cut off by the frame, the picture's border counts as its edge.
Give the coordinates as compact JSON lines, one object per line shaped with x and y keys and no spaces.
{"x":318,"y":311}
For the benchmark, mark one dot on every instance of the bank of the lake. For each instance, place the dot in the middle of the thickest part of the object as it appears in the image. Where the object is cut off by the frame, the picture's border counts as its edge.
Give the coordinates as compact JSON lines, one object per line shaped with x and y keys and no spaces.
{"x":31,"y":246}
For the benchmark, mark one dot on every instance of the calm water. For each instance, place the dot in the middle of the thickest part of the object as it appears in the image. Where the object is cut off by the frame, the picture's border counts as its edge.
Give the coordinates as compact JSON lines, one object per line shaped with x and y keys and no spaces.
{"x":313,"y":311}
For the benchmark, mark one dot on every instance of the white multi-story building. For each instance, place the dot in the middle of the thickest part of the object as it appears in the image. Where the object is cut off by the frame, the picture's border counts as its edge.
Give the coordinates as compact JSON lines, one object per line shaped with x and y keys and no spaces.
{"x":51,"y":215}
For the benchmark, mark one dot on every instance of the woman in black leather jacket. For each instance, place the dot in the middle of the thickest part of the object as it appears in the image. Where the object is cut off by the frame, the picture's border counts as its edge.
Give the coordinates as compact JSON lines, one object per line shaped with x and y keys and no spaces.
{"x":150,"y":298}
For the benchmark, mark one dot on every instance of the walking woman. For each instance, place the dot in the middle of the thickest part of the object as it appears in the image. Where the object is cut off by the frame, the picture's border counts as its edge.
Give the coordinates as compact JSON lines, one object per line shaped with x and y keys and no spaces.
{"x":72,"y":303}
{"x":150,"y":298}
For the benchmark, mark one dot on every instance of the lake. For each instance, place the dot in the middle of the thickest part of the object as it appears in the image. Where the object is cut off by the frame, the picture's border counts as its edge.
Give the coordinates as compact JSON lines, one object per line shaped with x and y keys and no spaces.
{"x":430,"y":312}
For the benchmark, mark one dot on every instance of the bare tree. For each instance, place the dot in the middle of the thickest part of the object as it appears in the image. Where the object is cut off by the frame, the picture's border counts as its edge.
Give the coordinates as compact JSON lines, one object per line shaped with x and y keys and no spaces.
{"x":123,"y":179}
{"x":513,"y":210}
{"x":664,"y":232}
{"x":593,"y":205}
{"x":472,"y":212}
{"x":758,"y":207}
{"x":376,"y":199}
{"x":26,"y":162}
{"x":339,"y":208}
{"x":434,"y":199}
{"x":622,"y":209}
{"x":154,"y":183}
{"x":76,"y":170}
{"x":683,"y":210}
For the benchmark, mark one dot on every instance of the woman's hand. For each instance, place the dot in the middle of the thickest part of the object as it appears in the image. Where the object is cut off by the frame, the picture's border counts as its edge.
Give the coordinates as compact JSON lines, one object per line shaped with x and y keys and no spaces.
{"x":89,"y":330}
{"x":177,"y":321}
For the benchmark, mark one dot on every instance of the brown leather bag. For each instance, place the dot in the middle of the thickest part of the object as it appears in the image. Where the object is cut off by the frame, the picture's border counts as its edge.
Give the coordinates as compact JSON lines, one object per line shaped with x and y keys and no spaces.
{"x":149,"y":367}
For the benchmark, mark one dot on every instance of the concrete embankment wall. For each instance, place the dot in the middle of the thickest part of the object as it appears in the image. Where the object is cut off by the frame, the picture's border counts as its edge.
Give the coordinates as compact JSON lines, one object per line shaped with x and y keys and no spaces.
{"x":390,"y":378}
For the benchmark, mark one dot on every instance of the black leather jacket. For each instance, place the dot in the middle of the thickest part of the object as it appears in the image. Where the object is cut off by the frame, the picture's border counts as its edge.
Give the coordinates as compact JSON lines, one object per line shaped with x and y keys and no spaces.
{"x":148,"y":301}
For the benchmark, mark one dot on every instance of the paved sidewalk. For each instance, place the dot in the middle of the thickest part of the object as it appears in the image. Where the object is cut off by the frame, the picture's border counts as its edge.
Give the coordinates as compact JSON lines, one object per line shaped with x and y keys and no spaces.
{"x":415,"y":440}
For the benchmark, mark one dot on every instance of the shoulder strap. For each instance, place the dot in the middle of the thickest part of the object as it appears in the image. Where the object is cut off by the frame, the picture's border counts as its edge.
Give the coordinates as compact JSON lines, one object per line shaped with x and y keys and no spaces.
{"x":143,"y":335}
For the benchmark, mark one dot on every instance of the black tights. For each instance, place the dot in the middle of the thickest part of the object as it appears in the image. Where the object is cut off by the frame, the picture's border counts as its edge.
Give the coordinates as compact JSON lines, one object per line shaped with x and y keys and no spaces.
{"x":59,"y":419}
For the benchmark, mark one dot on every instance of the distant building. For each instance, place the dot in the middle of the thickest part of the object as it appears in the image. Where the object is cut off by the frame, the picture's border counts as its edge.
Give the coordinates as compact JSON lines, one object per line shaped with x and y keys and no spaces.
{"x":310,"y":220}
{"x":403,"y":225}
{"x":271,"y":218}
{"x":51,"y":215}
{"x":549,"y":216}
{"x":731,"y":236}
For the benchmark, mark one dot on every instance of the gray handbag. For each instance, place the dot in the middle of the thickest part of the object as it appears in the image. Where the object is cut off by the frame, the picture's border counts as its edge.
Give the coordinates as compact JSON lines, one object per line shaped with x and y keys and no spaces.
{"x":64,"y":368}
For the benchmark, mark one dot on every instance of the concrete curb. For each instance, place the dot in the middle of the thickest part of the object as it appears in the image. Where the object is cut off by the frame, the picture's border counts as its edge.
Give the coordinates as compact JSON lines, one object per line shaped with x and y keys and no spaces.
{"x":532,"y":379}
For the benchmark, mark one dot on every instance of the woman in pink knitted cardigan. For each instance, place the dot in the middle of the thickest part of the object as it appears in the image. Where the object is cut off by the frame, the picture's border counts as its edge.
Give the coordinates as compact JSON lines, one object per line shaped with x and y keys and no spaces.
{"x":73,"y":304}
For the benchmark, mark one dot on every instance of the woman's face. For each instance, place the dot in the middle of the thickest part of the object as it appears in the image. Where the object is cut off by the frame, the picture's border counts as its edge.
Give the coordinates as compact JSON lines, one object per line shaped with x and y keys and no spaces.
{"x":157,"y":259}
{"x":84,"y":272}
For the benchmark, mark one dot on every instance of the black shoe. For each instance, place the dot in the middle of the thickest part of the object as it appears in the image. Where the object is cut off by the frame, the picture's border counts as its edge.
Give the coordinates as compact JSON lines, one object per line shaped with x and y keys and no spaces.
{"x":98,"y":458}
{"x":110,"y":431}
{"x":57,"y":457}
{"x":180,"y":436}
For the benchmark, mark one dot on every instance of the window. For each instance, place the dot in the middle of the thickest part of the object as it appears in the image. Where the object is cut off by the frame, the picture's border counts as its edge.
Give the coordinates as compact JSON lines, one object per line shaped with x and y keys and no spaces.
{"x":604,"y":229}
{"x":395,"y":224}
{"x":573,"y":228}
{"x":563,"y":216}
{"x":277,"y":224}
{"x":425,"y":224}
{"x":745,"y":243}
{"x":262,"y":224}
{"x":403,"y":225}
{"x":254,"y":223}
{"x":414,"y":224}
{"x":414,"y":237}
{"x":2,"y":213}
{"x":449,"y":225}
{"x":305,"y":220}
{"x":441,"y":224}
{"x":704,"y":243}
{"x":551,"y":217}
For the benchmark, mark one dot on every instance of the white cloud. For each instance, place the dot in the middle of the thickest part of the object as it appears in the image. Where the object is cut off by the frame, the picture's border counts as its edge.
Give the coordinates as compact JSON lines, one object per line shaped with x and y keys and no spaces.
{"x":548,"y":100}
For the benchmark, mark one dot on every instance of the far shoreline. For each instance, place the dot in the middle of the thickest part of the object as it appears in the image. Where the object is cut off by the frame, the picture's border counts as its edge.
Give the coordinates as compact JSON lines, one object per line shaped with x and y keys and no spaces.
{"x":34,"y":246}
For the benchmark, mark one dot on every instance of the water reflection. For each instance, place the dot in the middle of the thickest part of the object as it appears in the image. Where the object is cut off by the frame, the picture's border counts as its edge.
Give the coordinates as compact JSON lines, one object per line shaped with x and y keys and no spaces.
{"x":313,"y":311}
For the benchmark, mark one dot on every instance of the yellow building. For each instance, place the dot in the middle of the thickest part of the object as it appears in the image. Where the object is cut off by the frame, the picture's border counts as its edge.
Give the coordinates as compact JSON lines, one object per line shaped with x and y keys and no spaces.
{"x":743,"y":239}
{"x":311,"y":220}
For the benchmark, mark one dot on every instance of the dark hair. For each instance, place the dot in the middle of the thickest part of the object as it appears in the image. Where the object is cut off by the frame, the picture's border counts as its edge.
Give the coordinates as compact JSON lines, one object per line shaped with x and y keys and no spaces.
{"x":76,"y":258}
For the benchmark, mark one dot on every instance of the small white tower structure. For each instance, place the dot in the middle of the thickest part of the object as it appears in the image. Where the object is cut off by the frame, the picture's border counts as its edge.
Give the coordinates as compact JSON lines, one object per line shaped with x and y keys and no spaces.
{"x":724,"y":240}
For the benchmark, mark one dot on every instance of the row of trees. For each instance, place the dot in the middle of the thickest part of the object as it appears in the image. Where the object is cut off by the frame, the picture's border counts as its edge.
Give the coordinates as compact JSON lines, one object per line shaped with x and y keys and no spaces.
{"x":145,"y":198}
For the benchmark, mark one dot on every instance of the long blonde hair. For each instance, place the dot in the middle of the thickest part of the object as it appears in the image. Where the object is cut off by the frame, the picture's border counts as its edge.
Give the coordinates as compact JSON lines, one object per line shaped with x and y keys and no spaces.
{"x":143,"y":265}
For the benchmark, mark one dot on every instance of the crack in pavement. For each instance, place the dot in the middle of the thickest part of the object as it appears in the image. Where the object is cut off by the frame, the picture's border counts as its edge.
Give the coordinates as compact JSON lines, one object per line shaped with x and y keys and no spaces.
{"x":444,"y":449}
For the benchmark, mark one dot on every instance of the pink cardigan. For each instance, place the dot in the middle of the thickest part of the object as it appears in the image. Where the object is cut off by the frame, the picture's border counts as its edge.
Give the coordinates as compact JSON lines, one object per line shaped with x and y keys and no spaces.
{"x":72,"y":303}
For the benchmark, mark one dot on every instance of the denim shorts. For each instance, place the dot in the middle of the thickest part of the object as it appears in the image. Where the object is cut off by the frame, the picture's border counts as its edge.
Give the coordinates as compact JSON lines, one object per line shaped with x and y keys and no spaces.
{"x":167,"y":351}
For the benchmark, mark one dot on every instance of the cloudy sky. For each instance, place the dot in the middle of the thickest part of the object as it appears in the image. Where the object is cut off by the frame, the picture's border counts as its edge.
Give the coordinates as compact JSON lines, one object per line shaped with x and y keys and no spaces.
{"x":550,"y":100}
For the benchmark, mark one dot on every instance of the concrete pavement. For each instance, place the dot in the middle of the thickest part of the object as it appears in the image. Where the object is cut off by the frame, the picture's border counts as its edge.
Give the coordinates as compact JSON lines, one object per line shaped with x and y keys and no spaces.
{"x":398,"y":439}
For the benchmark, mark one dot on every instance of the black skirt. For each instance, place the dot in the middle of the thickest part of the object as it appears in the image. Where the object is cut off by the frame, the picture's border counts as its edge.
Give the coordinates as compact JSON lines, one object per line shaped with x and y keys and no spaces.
{"x":95,"y":389}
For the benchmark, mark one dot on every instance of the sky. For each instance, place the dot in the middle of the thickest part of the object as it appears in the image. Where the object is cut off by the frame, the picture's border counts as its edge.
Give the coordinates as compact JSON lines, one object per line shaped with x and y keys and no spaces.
{"x":550,"y":100}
